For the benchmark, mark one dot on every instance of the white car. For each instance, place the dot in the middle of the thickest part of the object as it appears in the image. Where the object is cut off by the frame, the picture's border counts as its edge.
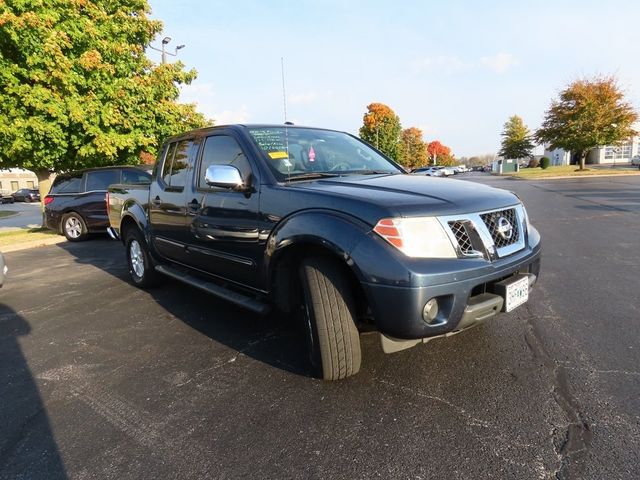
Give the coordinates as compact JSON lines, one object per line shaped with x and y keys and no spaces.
{"x":635,"y":160}
{"x":430,"y":171}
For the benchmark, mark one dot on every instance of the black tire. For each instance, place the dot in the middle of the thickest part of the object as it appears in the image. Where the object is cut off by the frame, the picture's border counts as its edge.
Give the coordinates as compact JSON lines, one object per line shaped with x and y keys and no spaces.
{"x":328,"y":316}
{"x":141,"y":265}
{"x":74,"y":227}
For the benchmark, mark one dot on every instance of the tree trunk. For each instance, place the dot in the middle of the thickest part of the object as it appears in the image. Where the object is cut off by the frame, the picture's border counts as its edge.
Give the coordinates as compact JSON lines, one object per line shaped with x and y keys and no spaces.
{"x":45,"y":177}
{"x":583,"y":157}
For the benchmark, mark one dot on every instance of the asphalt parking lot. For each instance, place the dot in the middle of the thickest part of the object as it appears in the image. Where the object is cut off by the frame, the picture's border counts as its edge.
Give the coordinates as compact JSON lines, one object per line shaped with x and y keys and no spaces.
{"x":101,"y":380}
{"x":28,"y":215}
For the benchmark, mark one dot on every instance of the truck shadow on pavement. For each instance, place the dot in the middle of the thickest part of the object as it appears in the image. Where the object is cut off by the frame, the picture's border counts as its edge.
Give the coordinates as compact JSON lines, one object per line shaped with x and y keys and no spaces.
{"x":268,"y":339}
{"x":27,"y":445}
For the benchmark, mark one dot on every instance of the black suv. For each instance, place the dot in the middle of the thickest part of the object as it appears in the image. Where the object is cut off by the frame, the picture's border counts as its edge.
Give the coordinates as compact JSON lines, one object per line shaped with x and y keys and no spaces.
{"x":26,"y":195}
{"x":76,"y":205}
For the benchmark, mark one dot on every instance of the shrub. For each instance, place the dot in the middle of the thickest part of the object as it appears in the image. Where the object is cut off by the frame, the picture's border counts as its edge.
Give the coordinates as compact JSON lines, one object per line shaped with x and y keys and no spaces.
{"x":544,"y":162}
{"x":533,"y":163}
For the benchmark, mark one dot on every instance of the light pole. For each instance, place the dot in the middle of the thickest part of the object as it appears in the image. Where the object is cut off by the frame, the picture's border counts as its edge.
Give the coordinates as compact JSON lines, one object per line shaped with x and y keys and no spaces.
{"x":163,"y":50}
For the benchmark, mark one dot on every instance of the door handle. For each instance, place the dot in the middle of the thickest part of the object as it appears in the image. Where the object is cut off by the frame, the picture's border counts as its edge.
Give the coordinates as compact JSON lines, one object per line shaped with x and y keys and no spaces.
{"x":156,"y":202}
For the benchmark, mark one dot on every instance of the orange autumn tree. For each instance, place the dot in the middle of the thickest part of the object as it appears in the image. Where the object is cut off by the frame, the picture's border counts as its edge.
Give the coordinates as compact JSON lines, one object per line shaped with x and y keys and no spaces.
{"x":381,"y":128}
{"x":440,"y":154}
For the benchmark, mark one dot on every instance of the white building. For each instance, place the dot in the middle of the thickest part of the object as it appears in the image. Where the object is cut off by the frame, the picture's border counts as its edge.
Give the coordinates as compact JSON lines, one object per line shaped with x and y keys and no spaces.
{"x":13,"y":179}
{"x":609,"y":154}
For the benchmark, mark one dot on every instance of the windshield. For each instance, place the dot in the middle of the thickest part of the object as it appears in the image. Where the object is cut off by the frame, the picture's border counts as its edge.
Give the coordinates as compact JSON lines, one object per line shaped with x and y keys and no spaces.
{"x":307,"y":152}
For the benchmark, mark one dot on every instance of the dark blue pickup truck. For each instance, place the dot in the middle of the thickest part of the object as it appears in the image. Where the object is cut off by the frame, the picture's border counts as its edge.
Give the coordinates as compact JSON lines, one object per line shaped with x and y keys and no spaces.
{"x":321,"y":226}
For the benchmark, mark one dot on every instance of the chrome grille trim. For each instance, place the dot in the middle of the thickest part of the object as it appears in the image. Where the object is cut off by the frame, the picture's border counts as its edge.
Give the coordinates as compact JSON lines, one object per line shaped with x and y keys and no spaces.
{"x":476,"y":234}
{"x":491,"y":221}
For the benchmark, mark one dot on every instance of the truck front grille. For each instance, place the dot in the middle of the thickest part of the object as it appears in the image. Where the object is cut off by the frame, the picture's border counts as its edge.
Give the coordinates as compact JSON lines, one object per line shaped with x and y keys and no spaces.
{"x":489,"y":234}
{"x":462,"y":236}
{"x":503,"y":227}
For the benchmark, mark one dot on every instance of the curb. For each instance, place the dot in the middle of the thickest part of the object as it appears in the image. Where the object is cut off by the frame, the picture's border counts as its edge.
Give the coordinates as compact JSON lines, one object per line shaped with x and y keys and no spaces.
{"x":33,"y":244}
{"x":569,"y":177}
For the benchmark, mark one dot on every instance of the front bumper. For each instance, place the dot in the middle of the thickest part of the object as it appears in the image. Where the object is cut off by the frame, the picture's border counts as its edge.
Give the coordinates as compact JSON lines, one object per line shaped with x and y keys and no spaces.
{"x":465,"y":301}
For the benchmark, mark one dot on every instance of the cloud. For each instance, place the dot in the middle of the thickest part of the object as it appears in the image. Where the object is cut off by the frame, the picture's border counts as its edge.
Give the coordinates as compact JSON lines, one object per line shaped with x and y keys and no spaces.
{"x":450,"y":64}
{"x":205,"y":97}
{"x":499,"y":63}
{"x":442,"y":63}
{"x":228,"y":117}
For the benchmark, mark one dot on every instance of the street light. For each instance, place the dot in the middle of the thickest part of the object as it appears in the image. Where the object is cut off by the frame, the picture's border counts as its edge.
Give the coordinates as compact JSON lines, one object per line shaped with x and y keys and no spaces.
{"x":163,"y":50}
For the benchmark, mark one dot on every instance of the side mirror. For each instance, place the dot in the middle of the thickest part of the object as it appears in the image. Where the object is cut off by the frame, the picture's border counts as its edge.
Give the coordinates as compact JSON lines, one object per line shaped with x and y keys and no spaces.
{"x":224,"y":176}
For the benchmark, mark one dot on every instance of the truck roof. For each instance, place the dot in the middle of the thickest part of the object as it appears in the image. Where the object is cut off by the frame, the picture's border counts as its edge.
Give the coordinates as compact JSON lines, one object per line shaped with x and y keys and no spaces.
{"x":240,"y":126}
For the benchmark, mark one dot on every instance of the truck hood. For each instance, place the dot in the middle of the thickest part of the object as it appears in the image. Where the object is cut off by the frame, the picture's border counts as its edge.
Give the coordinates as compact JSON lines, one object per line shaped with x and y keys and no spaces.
{"x":412,"y":195}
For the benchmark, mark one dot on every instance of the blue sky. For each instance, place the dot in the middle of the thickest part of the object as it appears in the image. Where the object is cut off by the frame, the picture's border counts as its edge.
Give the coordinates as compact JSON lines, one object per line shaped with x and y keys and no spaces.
{"x":455,"y":69}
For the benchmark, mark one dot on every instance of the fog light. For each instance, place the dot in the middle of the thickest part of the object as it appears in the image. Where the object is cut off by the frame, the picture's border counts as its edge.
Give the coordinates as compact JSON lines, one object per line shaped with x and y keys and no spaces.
{"x":430,"y":310}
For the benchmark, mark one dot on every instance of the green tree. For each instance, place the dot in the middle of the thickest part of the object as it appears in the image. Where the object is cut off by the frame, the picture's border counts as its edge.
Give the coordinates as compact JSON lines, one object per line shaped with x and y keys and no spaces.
{"x":588,"y":114}
{"x":381,"y":128}
{"x":76,"y":89}
{"x":412,"y":150}
{"x":516,"y":139}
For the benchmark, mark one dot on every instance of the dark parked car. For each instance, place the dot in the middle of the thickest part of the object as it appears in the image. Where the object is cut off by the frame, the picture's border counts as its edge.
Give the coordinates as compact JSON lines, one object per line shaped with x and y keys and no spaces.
{"x":320,"y":225}
{"x":26,"y":195}
{"x":6,"y":197}
{"x":76,"y":205}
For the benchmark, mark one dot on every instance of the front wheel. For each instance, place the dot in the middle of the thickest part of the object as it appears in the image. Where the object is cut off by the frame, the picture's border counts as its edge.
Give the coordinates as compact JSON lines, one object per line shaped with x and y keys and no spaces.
{"x":141,"y":266}
{"x":328,"y":316}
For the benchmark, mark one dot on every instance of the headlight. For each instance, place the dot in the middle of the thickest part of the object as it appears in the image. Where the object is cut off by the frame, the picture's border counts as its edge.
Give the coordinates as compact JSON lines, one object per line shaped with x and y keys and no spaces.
{"x":526,"y":217}
{"x":421,"y":237}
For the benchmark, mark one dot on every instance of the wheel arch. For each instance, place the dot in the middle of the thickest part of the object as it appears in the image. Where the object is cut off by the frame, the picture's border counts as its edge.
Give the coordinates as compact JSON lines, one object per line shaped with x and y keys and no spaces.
{"x":312,"y":233}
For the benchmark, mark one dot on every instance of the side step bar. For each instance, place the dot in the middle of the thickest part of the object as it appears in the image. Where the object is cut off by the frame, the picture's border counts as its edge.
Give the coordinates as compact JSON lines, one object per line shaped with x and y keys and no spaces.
{"x":239,"y":299}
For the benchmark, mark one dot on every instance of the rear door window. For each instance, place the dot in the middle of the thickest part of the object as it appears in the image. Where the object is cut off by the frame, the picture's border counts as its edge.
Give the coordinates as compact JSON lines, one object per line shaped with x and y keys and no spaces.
{"x":136,"y":177}
{"x":176,"y":165}
{"x":67,"y":184}
{"x":101,"y":179}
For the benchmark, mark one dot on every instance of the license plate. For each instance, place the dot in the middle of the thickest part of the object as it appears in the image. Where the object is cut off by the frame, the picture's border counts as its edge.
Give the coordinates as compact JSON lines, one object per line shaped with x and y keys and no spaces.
{"x":516,"y":293}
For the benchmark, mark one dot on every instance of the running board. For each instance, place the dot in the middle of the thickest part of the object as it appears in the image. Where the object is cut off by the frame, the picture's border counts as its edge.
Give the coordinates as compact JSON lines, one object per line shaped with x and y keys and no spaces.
{"x":214,"y":289}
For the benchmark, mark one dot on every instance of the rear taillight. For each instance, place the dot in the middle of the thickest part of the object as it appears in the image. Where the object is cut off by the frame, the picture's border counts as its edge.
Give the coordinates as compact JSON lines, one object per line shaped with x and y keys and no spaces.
{"x":48,"y":199}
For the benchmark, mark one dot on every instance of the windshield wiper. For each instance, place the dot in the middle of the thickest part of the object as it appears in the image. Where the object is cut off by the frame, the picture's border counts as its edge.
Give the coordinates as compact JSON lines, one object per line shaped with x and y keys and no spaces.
{"x":374,"y":172}
{"x":312,"y":175}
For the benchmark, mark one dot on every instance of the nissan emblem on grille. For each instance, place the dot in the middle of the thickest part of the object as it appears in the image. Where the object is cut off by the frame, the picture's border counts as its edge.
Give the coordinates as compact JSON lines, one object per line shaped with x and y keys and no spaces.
{"x":505,"y":229}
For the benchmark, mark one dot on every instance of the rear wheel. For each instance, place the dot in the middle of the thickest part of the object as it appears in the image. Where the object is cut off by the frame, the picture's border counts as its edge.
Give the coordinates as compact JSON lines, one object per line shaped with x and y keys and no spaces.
{"x":141,"y":266}
{"x":74,"y":228}
{"x":328,"y":315}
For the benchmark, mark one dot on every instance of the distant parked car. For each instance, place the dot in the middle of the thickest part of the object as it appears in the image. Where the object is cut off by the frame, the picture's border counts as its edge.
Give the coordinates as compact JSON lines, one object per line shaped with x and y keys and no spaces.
{"x":430,"y":171}
{"x":77,"y":203}
{"x":635,"y":160}
{"x":26,"y":195}
{"x":6,"y":197}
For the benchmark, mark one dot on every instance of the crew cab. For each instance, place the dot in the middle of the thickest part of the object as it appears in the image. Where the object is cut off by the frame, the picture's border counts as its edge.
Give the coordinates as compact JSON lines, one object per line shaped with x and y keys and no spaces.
{"x":319,"y":225}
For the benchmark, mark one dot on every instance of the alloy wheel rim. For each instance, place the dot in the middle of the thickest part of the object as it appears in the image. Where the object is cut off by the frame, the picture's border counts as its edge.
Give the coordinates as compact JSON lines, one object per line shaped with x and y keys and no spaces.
{"x":137,"y":259}
{"x":73,"y":227}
